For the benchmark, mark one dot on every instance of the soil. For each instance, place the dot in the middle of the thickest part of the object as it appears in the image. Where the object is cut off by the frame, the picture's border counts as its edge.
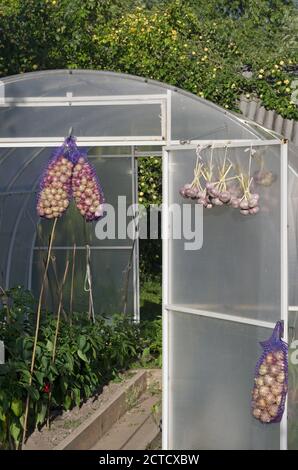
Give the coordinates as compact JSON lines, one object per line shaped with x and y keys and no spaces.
{"x":63,"y":424}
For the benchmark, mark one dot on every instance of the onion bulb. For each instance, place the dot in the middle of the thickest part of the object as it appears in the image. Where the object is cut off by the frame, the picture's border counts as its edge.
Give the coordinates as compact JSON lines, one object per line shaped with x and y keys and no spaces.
{"x":263,"y":369}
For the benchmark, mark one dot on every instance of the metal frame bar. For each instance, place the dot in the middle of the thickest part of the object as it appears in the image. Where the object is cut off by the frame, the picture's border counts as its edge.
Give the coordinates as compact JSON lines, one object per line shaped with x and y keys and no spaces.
{"x":136,"y":292}
{"x":131,"y":141}
{"x":25,"y":142}
{"x":284,"y":269}
{"x":177,"y":145}
{"x":165,"y":299}
{"x":220,"y":316}
{"x":69,"y":100}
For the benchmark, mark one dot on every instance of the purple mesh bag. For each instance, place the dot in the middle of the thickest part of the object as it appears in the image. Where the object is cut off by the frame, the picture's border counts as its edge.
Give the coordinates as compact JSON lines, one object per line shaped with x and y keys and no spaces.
{"x":271,"y":379}
{"x":55,"y":183}
{"x":87,"y":191}
{"x":62,"y":179}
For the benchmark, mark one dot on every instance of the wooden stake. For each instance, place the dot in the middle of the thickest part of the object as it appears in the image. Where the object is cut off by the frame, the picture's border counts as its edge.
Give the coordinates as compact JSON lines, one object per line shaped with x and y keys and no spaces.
{"x":57,"y":331}
{"x":72,"y":281}
{"x":38,"y":315}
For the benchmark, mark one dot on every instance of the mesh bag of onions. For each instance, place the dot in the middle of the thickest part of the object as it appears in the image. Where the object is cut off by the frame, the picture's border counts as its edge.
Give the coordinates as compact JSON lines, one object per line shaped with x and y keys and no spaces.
{"x":271,"y":379}
{"x":69,"y":173}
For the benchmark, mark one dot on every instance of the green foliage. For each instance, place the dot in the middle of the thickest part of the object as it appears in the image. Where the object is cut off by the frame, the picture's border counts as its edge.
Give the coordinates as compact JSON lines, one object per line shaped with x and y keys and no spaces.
{"x":200,"y":46}
{"x":150,"y":176}
{"x":152,"y":347}
{"x":87,"y":357}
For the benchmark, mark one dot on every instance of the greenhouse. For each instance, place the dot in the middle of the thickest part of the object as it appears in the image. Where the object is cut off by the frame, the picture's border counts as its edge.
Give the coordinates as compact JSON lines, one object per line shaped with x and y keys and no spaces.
{"x":222,"y":297}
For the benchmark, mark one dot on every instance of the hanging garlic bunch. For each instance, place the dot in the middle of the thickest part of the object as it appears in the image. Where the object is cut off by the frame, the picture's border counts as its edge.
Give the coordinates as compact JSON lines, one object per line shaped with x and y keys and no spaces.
{"x":194,"y":190}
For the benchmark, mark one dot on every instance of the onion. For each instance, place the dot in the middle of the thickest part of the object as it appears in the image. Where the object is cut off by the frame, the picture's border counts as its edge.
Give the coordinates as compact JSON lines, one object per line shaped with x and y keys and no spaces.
{"x":270,"y":398}
{"x":280,"y":364}
{"x":270,"y":358}
{"x":263,"y":369}
{"x":257,"y":413}
{"x":278,"y":399}
{"x":265,"y":417}
{"x":261,"y":403}
{"x":274,"y":369}
{"x":259,"y":381}
{"x":273,"y":410}
{"x":268,"y":380}
{"x":264,"y":390}
{"x":281,"y":377}
{"x":279,"y":355}
{"x":276,"y":389}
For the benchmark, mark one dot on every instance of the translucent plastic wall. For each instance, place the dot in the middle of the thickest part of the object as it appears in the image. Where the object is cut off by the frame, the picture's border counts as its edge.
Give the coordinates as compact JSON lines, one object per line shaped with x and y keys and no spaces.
{"x":191,"y":117}
{"x":24,"y":238}
{"x":101,"y":107}
{"x":223,"y":298}
{"x":293,"y":298}
{"x":237,"y":269}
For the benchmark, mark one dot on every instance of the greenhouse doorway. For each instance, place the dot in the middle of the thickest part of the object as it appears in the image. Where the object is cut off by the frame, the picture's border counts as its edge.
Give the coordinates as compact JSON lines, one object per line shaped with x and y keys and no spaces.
{"x":213,"y":323}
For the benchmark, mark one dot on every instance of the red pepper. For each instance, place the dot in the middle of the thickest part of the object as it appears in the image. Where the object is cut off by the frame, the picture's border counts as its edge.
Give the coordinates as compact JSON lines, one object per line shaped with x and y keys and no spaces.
{"x":46,"y":388}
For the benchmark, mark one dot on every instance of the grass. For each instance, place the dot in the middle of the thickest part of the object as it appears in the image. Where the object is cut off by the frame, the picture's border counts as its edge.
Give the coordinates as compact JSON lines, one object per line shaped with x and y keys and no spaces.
{"x":150,"y":299}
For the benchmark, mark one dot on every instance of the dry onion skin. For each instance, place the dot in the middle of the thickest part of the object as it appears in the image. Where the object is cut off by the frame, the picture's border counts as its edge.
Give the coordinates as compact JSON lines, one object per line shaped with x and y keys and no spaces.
{"x":270,"y":384}
{"x":55,"y":188}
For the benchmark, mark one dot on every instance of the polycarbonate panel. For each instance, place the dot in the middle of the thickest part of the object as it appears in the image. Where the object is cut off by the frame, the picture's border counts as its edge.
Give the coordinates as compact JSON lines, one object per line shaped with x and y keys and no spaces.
{"x":21,"y":169}
{"x":91,"y":121}
{"x":292,"y":235}
{"x":112,"y":280}
{"x":237,"y":269}
{"x":192,"y":117}
{"x":211,"y":367}
{"x":17,"y":232}
{"x":79,"y":83}
{"x":193,"y":120}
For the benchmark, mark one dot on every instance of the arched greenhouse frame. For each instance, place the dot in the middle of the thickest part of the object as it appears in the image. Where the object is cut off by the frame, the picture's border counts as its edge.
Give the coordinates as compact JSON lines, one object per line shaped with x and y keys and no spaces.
{"x":219,"y":300}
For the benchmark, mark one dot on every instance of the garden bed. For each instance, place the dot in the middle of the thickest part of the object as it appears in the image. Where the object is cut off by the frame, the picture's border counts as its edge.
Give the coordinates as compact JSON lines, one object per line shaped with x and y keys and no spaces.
{"x":89,"y":356}
{"x":73,"y":424}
